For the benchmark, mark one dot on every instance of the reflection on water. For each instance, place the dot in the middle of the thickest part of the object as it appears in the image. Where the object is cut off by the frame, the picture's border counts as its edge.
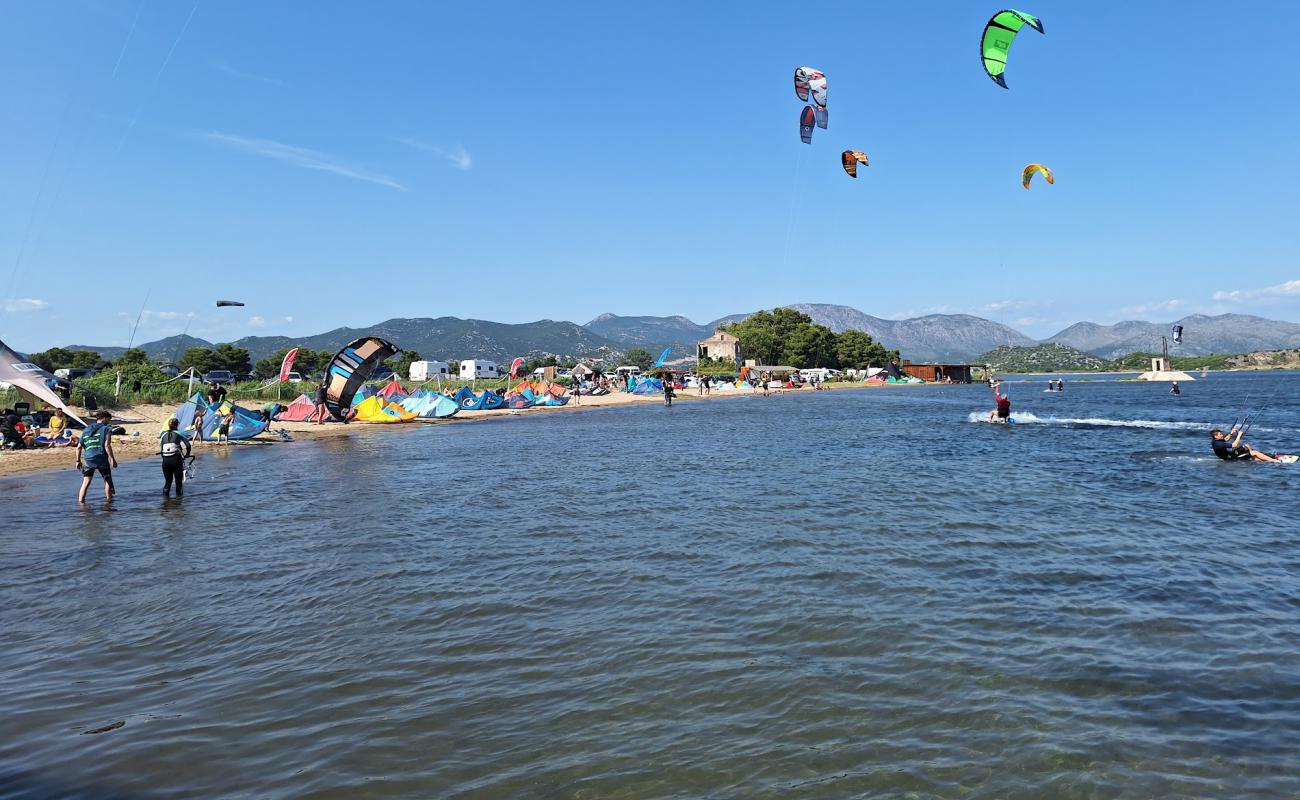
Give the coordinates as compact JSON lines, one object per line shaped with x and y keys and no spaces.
{"x":830,"y":595}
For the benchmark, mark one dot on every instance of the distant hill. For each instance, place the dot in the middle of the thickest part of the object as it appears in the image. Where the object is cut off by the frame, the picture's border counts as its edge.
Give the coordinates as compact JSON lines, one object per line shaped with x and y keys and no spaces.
{"x":1041,"y":358}
{"x":442,"y":338}
{"x":1202,"y":335}
{"x":936,"y":337}
{"x":649,"y":332}
{"x":169,"y":349}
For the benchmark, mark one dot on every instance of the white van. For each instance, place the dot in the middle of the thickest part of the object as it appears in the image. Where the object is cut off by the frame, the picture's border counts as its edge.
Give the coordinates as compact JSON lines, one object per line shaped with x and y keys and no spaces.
{"x":428,"y":370}
{"x":478,"y":368}
{"x":628,"y":372}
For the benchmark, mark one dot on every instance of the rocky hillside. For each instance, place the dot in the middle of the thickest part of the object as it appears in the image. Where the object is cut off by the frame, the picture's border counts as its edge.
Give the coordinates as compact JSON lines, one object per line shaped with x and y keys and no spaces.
{"x":442,"y":338}
{"x":1270,"y":359}
{"x":1041,"y":358}
{"x":1202,"y":335}
{"x":649,"y":332}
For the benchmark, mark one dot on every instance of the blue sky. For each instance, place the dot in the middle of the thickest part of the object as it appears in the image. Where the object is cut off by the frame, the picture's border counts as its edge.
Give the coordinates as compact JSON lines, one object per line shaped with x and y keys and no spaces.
{"x":340,"y":164}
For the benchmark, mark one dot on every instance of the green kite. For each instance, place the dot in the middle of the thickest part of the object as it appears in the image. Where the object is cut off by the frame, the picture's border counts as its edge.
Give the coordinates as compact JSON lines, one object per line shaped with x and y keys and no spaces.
{"x":998,"y":36}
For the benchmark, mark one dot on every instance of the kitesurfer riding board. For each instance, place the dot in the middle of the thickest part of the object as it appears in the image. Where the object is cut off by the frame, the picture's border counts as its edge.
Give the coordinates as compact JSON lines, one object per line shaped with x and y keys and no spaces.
{"x":1002,"y":412}
{"x":1230,"y":449}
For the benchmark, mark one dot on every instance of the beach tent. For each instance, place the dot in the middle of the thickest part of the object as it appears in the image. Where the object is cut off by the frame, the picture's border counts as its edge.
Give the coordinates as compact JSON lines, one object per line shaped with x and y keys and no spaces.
{"x":377,"y":409}
{"x":393,"y":392}
{"x":32,"y":382}
{"x":300,"y":410}
{"x":524,"y":399}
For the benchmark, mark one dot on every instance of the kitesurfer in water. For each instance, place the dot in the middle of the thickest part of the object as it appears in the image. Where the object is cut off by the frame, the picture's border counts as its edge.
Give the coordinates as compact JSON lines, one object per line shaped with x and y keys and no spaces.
{"x":1174,"y":390}
{"x":1230,"y":449}
{"x":1002,"y":413}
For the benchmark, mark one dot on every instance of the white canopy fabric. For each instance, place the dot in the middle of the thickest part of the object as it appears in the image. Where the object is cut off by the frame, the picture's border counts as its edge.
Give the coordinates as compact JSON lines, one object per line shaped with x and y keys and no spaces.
{"x":31,"y":381}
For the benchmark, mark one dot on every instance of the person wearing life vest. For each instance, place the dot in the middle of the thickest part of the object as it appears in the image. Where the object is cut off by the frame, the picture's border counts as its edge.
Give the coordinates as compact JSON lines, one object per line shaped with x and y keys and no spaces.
{"x":1002,"y":413}
{"x":174,"y":449}
{"x":95,"y":454}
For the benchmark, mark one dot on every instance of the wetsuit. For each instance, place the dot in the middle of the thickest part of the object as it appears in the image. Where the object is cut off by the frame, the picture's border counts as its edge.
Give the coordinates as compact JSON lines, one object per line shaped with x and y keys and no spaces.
{"x":1224,"y":450}
{"x":174,"y":448}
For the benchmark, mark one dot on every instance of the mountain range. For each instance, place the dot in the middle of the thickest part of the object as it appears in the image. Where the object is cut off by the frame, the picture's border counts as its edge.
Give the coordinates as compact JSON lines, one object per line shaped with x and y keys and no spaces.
{"x":935,"y":337}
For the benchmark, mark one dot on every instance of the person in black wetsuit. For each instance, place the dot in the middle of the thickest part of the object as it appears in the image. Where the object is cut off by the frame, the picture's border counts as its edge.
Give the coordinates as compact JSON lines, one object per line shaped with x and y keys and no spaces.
{"x":1174,"y":390}
{"x":174,"y":449}
{"x":1229,"y":449}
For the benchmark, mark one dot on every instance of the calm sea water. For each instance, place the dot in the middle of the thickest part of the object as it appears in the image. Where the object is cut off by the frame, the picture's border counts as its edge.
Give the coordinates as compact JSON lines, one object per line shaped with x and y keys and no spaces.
{"x":849,"y":594}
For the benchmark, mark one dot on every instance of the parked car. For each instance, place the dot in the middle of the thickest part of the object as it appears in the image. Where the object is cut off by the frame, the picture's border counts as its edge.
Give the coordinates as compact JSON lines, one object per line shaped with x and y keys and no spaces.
{"x":296,"y":377}
{"x":168,"y":369}
{"x":73,"y":374}
{"x":219,"y":376}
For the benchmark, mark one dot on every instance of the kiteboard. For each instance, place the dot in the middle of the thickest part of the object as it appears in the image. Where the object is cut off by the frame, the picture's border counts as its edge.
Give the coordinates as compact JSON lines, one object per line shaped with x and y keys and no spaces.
{"x":1284,"y":458}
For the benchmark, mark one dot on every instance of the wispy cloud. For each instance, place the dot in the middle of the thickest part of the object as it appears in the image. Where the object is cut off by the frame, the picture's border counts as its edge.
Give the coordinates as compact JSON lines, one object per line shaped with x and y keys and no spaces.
{"x":1007,"y":305}
{"x":257,"y":322}
{"x":300,"y":157}
{"x":163,"y":316}
{"x":1279,"y":292}
{"x":17,"y":305}
{"x":222,"y":66}
{"x":1151,"y":308}
{"x":458,"y":156}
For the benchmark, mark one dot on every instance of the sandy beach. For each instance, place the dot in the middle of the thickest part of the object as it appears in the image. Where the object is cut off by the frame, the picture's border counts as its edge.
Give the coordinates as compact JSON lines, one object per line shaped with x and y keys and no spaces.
{"x":143,"y":423}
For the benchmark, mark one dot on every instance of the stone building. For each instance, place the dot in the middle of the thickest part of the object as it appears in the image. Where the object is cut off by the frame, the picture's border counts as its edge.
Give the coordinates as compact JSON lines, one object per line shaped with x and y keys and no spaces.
{"x":719,"y":346}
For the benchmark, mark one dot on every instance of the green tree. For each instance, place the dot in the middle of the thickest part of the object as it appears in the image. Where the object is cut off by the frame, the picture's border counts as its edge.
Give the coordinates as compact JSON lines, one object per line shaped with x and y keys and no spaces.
{"x":132,"y":356}
{"x":767,"y":336}
{"x":201,"y":359}
{"x":63,"y":358}
{"x":811,"y":346}
{"x":232,"y":358}
{"x":638,"y":357}
{"x":857,"y":350}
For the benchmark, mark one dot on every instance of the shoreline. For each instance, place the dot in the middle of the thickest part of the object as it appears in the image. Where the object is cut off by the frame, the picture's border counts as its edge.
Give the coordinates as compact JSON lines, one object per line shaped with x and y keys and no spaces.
{"x":143,"y":424}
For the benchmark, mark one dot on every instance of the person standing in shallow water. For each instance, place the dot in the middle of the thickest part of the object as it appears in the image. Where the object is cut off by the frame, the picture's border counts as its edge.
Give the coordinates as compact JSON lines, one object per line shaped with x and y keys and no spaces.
{"x":174,"y":449}
{"x":95,"y":454}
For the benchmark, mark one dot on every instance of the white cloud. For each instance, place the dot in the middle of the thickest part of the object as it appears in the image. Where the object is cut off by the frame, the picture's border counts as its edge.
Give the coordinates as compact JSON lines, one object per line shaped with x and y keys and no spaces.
{"x":1007,"y":305}
{"x":222,"y":66}
{"x":1281,"y":291}
{"x":18,"y":305}
{"x":458,"y":157}
{"x":288,"y":319}
{"x":166,"y":315}
{"x":300,"y":157}
{"x":256,"y":322}
{"x":1151,"y":308}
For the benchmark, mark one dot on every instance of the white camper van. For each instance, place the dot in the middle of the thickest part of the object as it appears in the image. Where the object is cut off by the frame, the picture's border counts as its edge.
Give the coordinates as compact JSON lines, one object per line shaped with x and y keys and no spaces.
{"x":478,"y":368}
{"x":422,"y":371}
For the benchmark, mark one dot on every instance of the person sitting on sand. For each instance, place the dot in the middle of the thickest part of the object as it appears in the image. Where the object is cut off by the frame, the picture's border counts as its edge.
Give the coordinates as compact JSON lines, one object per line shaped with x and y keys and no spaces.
{"x":1229,"y":449}
{"x":10,"y":435}
{"x":1002,"y":413}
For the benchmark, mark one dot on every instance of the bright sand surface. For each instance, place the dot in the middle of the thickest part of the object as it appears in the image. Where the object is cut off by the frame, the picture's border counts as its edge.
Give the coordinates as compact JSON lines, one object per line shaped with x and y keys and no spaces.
{"x":148,"y":422}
